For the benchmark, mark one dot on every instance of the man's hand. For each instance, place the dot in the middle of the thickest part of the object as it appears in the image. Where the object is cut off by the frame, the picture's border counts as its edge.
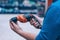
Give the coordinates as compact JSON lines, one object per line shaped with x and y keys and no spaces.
{"x":15,"y":27}
{"x":19,"y":31}
{"x":36,"y":24}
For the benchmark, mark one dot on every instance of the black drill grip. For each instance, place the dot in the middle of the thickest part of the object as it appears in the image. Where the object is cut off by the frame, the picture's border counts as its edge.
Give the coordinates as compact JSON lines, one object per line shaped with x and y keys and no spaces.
{"x":14,"y":19}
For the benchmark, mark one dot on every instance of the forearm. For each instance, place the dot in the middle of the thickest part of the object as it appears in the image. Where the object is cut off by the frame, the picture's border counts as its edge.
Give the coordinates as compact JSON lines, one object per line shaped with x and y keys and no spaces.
{"x":26,"y":35}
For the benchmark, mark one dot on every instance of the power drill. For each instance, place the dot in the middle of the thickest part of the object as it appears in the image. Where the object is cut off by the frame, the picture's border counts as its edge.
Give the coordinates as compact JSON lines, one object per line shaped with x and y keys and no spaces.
{"x":25,"y":18}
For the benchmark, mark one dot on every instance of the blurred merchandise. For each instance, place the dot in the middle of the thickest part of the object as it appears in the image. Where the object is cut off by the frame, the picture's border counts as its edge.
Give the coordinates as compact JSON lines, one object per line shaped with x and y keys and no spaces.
{"x":22,"y":6}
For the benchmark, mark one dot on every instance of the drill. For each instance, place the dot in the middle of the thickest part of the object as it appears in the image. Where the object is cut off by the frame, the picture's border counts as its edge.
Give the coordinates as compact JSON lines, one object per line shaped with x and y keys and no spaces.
{"x":25,"y":18}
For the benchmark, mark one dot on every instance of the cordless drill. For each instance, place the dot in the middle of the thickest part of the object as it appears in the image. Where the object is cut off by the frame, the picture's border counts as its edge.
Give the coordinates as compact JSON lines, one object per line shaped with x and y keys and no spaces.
{"x":25,"y":18}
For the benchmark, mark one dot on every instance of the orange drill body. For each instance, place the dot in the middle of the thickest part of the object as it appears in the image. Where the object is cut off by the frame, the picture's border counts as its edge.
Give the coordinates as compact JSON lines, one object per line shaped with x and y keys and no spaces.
{"x":21,"y":18}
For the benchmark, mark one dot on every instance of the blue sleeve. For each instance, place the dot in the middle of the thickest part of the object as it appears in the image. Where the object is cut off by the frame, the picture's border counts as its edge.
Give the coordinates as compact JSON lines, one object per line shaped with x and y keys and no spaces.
{"x":51,"y":25}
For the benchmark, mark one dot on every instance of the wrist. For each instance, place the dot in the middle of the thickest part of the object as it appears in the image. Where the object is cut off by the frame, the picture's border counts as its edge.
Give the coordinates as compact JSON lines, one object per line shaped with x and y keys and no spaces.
{"x":19,"y":31}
